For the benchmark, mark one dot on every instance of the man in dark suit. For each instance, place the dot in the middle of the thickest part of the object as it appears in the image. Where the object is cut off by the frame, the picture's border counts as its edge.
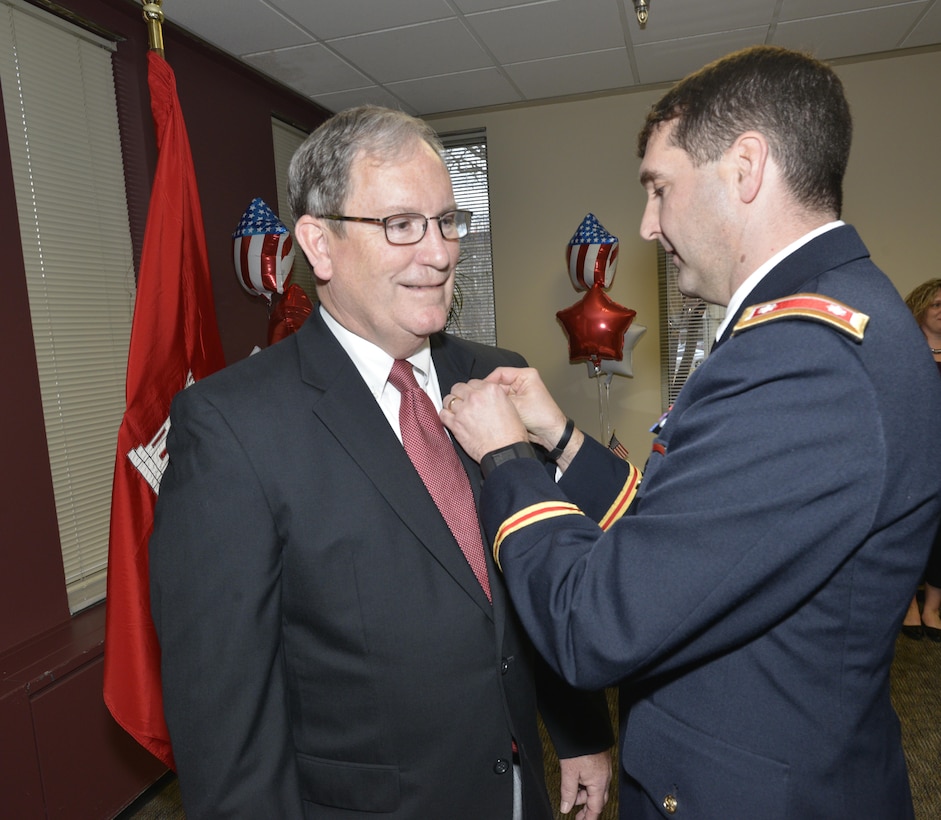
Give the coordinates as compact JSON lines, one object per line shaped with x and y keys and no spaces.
{"x":749,"y":600}
{"x":327,"y":650}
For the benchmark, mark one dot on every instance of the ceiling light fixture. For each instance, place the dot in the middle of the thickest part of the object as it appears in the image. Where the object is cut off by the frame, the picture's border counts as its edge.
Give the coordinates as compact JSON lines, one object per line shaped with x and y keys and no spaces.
{"x":640,"y":9}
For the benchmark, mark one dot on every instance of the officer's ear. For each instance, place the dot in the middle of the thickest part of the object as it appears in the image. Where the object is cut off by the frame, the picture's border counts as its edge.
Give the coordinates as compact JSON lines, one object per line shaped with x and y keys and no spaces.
{"x":750,"y":156}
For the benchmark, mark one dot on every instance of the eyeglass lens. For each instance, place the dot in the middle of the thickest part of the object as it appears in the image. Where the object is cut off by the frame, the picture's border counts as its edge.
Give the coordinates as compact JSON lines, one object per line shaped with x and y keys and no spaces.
{"x":407,"y":229}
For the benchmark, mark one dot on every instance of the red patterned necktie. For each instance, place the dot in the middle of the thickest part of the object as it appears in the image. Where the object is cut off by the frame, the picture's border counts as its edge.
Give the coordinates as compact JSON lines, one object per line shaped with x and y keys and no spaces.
{"x":434,"y":456}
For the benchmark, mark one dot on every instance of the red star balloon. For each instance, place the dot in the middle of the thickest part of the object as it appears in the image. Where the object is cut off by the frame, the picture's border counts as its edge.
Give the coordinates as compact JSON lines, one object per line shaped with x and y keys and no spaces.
{"x":596,"y":326}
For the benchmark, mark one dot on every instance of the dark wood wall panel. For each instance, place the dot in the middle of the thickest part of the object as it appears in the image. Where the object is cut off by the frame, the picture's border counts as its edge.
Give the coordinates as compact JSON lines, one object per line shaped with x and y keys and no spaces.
{"x":61,"y":754}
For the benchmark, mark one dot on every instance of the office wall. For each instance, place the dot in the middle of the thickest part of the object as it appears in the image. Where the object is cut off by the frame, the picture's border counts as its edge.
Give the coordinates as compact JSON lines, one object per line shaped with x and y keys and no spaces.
{"x":61,"y":754}
{"x":551,"y":164}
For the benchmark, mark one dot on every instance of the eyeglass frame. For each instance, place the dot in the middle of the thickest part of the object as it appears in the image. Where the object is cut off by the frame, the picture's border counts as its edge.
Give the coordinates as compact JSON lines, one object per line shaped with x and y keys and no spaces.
{"x":384,"y":221}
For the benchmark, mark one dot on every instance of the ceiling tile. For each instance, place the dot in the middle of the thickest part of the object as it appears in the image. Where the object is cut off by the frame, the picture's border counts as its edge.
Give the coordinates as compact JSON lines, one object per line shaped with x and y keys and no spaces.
{"x":553,"y":29}
{"x":342,"y":18}
{"x":469,"y":89}
{"x":673,"y":20}
{"x":372,"y":95}
{"x":799,"y":9}
{"x":309,"y":69}
{"x":844,"y":35}
{"x":670,"y":61}
{"x":928,"y":29}
{"x":414,"y":51}
{"x":577,"y":74}
{"x":470,"y":6}
{"x":236,"y":26}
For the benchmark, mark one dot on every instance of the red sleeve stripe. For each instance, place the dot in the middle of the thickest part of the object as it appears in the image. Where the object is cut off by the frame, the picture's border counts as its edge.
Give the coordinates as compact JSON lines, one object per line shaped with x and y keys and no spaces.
{"x":623,"y":500}
{"x":530,"y":515}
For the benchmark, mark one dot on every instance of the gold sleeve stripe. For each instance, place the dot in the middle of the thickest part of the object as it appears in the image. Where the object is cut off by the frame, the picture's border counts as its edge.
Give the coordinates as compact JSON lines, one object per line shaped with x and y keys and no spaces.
{"x":807,"y":306}
{"x":530,"y":515}
{"x":624,"y":499}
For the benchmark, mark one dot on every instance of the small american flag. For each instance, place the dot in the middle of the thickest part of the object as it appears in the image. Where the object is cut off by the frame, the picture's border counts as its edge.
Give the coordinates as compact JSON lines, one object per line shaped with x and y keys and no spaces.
{"x":617,"y":448}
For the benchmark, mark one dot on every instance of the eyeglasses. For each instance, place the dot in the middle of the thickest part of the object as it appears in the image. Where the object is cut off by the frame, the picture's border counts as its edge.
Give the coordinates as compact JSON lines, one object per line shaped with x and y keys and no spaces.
{"x":407,"y":229}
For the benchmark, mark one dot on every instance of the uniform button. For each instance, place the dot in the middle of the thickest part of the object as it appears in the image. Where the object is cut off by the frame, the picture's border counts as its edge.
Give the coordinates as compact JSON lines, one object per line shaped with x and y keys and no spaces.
{"x":504,"y":666}
{"x":670,"y":804}
{"x":501,"y":766}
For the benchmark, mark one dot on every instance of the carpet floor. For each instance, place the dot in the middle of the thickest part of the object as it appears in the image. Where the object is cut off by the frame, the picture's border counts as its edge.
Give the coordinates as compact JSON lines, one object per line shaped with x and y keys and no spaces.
{"x":916,"y":695}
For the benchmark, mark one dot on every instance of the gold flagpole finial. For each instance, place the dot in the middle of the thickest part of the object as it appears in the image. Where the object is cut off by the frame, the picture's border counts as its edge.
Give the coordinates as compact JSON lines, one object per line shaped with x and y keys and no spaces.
{"x":153,"y":15}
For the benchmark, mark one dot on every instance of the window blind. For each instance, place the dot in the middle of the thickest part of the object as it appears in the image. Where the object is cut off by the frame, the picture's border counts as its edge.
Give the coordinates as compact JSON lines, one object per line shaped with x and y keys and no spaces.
{"x":61,"y":116}
{"x":473,"y":314}
{"x":687,"y":330}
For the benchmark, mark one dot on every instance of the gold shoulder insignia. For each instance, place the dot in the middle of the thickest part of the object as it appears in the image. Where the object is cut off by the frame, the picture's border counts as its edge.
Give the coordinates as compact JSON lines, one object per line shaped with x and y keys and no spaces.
{"x":811,"y":306}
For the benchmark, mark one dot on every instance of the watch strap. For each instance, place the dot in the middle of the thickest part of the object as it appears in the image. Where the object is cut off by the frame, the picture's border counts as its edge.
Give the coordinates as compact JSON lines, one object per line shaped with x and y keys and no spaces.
{"x":493,"y":459}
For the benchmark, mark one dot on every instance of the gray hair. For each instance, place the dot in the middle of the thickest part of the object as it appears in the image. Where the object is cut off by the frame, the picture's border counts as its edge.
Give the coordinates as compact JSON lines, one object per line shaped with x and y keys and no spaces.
{"x":319,"y":174}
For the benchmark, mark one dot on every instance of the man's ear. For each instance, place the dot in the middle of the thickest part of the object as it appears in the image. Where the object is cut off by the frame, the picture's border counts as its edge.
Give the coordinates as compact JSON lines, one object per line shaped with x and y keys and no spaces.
{"x":750,"y":156}
{"x":314,"y":240}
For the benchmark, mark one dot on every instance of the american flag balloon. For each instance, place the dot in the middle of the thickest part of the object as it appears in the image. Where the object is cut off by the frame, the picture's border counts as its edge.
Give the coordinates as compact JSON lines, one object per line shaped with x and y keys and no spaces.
{"x":263,"y":251}
{"x":592,"y":255}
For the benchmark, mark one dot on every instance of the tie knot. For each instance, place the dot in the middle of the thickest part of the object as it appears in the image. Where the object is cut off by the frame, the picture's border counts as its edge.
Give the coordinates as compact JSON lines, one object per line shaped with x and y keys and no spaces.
{"x":402,"y":377}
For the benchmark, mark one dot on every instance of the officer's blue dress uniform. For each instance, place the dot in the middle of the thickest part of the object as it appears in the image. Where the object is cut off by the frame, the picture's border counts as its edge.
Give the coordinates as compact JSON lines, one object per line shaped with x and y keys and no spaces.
{"x":749,"y":601}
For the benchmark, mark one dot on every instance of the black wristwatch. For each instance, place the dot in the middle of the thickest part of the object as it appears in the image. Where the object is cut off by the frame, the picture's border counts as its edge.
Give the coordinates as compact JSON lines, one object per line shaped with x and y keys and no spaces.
{"x":493,"y":459}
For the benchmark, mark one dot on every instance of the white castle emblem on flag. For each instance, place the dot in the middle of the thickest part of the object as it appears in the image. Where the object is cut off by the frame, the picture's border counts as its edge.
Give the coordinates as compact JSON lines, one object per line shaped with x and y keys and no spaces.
{"x":150,"y":459}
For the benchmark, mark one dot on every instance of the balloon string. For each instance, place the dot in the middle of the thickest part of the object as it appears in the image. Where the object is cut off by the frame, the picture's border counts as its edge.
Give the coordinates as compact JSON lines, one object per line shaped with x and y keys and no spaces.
{"x":604,"y":401}
{"x":607,"y":413}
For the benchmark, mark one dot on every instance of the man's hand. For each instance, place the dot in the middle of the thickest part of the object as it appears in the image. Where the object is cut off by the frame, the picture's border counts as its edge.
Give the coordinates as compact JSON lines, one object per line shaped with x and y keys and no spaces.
{"x":537,"y":410}
{"x":585,"y":782}
{"x":481,"y":417}
{"x":512,"y":404}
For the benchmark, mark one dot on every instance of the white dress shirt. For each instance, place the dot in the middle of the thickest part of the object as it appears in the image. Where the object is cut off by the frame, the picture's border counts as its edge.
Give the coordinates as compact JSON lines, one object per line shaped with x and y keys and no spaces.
{"x":375,"y":365}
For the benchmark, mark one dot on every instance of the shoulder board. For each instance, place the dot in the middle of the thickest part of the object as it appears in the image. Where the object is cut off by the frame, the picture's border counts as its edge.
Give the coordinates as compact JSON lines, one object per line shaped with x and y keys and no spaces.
{"x":811,"y":306}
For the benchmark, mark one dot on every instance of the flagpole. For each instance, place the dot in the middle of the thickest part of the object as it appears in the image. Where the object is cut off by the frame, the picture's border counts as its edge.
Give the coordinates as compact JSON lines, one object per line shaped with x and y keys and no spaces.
{"x":153,"y":15}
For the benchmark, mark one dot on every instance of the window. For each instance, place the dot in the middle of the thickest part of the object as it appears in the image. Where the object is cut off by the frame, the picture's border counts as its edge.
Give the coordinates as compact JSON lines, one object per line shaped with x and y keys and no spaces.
{"x":687,"y":330}
{"x":472,"y":315}
{"x":287,"y":139}
{"x":61,"y":115}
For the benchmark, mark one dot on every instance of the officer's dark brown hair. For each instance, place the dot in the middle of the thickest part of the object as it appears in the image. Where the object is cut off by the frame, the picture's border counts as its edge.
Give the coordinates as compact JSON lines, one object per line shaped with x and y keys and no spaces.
{"x":795,"y":101}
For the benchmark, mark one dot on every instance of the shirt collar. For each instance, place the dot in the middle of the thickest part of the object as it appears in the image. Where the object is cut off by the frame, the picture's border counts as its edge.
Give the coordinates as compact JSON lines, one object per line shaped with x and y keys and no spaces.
{"x":372,"y":362}
{"x":750,"y":283}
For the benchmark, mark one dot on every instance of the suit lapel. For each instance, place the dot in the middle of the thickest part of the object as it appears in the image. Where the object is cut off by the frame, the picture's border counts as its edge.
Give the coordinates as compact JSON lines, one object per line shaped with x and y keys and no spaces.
{"x":343,"y":403}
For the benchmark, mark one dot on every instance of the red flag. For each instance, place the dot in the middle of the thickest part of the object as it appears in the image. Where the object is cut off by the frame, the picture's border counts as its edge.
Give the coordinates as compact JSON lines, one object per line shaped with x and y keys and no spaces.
{"x":174,"y":339}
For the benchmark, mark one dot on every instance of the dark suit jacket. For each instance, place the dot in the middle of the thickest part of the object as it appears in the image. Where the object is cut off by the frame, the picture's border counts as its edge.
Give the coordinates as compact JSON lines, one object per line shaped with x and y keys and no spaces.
{"x":327,"y":651}
{"x":750,"y":601}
